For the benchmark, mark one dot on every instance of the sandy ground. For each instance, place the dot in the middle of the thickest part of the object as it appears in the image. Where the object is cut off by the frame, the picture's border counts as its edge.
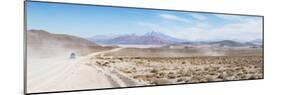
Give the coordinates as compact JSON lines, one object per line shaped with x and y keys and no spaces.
{"x":127,"y":67}
{"x":61,"y":74}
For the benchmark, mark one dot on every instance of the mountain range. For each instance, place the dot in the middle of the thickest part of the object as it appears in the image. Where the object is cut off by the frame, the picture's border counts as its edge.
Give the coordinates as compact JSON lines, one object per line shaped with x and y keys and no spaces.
{"x":157,"y":38}
{"x":221,"y":43}
{"x":150,"y":38}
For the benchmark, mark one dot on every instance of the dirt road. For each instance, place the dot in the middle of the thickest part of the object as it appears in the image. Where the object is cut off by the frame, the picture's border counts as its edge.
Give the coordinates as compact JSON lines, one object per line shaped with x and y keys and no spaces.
{"x":72,"y":74}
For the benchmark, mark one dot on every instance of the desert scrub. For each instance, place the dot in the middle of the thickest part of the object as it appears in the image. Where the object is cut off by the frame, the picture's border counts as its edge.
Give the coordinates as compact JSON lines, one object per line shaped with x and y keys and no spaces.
{"x":171,"y":75}
{"x":160,"y":75}
{"x":154,"y":71}
{"x":195,"y":79}
{"x":188,"y":69}
{"x":160,"y":81}
{"x":180,"y":80}
{"x":222,"y":76}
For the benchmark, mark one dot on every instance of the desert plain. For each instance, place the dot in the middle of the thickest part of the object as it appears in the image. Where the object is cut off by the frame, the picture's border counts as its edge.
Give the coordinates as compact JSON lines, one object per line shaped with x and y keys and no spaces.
{"x":99,"y":66}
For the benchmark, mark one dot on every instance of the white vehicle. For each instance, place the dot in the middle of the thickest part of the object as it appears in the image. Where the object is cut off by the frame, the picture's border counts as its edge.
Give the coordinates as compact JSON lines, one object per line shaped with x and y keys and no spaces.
{"x":72,"y":56}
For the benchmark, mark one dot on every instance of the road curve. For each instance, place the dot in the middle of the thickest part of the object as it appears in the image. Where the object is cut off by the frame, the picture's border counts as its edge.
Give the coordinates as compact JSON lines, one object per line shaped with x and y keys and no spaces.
{"x":73,"y":74}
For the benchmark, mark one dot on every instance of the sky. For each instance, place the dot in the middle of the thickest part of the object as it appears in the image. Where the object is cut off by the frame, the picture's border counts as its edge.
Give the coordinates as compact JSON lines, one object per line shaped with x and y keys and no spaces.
{"x":87,"y":21}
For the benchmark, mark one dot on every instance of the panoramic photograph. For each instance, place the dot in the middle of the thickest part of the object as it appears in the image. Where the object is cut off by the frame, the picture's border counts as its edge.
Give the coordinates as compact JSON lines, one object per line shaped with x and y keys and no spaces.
{"x":82,"y":47}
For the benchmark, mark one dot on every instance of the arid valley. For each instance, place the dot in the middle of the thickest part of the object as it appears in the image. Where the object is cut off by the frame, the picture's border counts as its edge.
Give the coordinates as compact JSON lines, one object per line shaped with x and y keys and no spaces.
{"x":151,"y":61}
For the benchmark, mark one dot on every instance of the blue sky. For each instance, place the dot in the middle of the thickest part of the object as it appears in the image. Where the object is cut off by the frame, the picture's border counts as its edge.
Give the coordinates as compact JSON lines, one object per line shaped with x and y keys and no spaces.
{"x":87,"y":21}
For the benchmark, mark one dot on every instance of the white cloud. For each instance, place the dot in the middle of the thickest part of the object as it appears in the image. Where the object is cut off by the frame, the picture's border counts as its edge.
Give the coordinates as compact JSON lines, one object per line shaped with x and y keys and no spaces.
{"x":251,"y":26}
{"x":246,"y":30}
{"x":174,"y":18}
{"x":198,"y":16}
{"x":229,"y":17}
{"x":242,"y":31}
{"x":236,"y":17}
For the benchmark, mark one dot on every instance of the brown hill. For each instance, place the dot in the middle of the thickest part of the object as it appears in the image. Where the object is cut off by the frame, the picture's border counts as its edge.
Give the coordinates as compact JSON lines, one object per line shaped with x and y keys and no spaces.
{"x":43,"y":43}
{"x":41,"y":37}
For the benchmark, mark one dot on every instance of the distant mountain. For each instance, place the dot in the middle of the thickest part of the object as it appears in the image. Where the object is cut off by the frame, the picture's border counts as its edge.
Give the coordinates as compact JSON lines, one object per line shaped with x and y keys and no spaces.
{"x":222,"y":43}
{"x":229,"y":43}
{"x":164,"y":36}
{"x":101,"y":38}
{"x":257,"y":42}
{"x":150,"y":38}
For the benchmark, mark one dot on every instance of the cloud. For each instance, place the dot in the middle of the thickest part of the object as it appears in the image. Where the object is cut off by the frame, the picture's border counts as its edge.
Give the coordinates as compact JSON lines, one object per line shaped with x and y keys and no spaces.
{"x":246,"y":29}
{"x":252,"y":26}
{"x":174,"y":18}
{"x":236,"y":17}
{"x":229,"y":17}
{"x":243,"y":31}
{"x":198,"y":16}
